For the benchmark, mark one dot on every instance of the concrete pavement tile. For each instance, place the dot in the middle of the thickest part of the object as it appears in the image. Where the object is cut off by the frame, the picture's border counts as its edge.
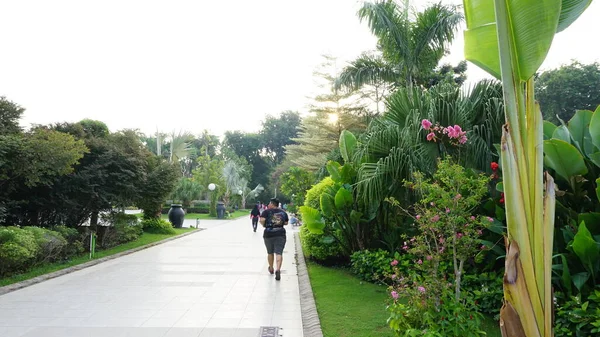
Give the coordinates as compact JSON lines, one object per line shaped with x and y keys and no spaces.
{"x":255,"y":322}
{"x":166,"y":322}
{"x":163,"y":313}
{"x":292,"y":333}
{"x":191,"y":322}
{"x":184,"y":332}
{"x":287,"y":323}
{"x":217,"y":332}
{"x":246,"y":332}
{"x":223,"y":322}
{"x":12,"y":331}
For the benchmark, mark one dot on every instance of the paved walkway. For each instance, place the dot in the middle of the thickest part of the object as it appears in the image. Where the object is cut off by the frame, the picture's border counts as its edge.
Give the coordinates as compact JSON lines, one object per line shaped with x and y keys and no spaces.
{"x":211,"y":283}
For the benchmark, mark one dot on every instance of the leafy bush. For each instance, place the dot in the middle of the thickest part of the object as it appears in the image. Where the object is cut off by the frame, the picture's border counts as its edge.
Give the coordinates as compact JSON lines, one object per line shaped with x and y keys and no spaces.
{"x":375,"y":266}
{"x":422,"y":316}
{"x":447,"y":236}
{"x":74,"y":240}
{"x":17,"y":249}
{"x":487,"y":291}
{"x":317,"y":247}
{"x":313,"y":195}
{"x":122,"y":228}
{"x":577,"y":318}
{"x":51,"y":244}
{"x":157,"y":226}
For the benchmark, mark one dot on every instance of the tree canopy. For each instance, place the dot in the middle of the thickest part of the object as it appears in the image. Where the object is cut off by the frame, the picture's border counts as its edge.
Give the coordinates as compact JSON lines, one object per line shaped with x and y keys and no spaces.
{"x":569,"y":88}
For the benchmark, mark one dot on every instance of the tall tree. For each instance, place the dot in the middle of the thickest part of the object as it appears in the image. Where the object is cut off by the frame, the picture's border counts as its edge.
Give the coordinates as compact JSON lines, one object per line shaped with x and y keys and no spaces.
{"x":10,"y":113}
{"x":158,"y":183}
{"x":569,"y":88}
{"x":277,"y":132}
{"x":249,"y":146}
{"x":330,"y":112}
{"x":412,"y":44}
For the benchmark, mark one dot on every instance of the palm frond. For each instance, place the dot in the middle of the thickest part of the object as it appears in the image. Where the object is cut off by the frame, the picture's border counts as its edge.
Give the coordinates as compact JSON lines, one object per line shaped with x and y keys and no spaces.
{"x":388,"y":23}
{"x":180,"y":145}
{"x":366,"y":69}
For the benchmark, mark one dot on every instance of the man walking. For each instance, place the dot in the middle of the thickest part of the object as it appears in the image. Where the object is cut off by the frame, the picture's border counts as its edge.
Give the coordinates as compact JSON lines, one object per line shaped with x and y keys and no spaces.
{"x":273,"y":219}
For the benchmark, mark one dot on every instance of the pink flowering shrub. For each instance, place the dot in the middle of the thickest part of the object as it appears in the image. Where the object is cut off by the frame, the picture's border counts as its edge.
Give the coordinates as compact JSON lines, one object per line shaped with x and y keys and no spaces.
{"x":452,"y":134}
{"x":447,"y":236}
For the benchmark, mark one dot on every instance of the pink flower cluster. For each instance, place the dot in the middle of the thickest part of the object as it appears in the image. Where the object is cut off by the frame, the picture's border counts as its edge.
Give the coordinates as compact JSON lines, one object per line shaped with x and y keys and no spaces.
{"x":455,"y":133}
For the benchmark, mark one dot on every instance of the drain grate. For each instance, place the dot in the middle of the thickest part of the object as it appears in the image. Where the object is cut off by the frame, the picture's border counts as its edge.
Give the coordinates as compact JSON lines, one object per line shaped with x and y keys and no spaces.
{"x":269,"y":331}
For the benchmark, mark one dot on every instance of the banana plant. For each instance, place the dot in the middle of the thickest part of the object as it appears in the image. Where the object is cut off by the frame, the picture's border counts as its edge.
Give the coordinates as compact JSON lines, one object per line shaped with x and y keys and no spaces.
{"x":510,"y":39}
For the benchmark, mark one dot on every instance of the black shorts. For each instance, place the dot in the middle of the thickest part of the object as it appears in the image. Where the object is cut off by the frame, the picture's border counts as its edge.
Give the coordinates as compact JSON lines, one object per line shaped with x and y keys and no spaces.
{"x":275,"y":244}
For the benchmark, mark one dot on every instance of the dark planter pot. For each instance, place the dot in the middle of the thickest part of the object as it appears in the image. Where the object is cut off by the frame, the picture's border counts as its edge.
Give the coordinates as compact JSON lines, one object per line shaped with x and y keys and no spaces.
{"x":176,"y":215}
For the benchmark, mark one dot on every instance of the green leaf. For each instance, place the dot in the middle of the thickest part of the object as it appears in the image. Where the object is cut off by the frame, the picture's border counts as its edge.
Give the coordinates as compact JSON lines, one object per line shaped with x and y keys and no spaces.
{"x":549,"y":129}
{"x":592,"y":221}
{"x":580,"y":279}
{"x":578,"y":126}
{"x":566,"y":274}
{"x":598,"y":188}
{"x":563,"y":158}
{"x":343,"y":198}
{"x":312,"y":219}
{"x":595,"y":128}
{"x":347,"y":174}
{"x":333,"y":167}
{"x":347,"y":145}
{"x":570,"y":11}
{"x":327,"y":205}
{"x":595,"y":158}
{"x":500,"y":187}
{"x":532,"y":26}
{"x":493,"y":247}
{"x":481,"y":48}
{"x":327,"y":239}
{"x":355,"y":216}
{"x":562,"y":133}
{"x":586,"y":248}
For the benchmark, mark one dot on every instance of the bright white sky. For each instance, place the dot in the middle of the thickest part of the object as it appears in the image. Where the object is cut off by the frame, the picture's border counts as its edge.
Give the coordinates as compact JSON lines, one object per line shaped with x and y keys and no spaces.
{"x":195,"y":64}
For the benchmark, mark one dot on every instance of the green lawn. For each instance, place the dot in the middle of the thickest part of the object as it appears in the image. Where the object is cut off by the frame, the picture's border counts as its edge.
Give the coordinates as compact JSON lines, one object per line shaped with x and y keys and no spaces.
{"x":145,"y":239}
{"x":349,"y":307}
{"x":194,"y":216}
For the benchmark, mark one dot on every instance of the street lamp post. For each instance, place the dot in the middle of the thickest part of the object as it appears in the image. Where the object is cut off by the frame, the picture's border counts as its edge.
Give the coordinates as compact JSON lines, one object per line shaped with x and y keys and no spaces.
{"x":213,"y":200}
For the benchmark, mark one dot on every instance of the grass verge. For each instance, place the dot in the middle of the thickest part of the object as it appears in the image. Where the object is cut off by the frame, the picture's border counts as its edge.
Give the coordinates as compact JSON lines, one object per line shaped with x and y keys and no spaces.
{"x":349,"y":307}
{"x":144,"y":239}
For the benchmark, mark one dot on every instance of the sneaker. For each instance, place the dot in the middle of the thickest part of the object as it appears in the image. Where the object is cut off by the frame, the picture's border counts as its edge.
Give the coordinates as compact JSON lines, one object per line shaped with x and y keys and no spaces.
{"x":278,"y":275}
{"x":271,"y":270}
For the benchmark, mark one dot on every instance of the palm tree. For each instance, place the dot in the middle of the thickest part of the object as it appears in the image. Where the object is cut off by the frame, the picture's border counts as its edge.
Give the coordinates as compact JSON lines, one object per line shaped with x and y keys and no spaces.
{"x":411,"y":46}
{"x":394,"y":146}
{"x":180,"y":146}
{"x":233,"y":174}
{"x":187,"y":190}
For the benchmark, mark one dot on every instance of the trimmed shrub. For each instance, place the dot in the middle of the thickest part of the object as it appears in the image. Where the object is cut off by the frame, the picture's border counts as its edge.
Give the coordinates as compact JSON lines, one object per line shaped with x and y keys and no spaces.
{"x":74,"y":240}
{"x":122,"y":228}
{"x":17,"y":249}
{"x":316,"y":247}
{"x":157,"y":226}
{"x":51,"y":244}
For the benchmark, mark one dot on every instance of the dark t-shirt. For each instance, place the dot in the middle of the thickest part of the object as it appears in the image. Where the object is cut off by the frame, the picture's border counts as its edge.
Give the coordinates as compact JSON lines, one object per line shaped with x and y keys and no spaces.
{"x":275,"y":220}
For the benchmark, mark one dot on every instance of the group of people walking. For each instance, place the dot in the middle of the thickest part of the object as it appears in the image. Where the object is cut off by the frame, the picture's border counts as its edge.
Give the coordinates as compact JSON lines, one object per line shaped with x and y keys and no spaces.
{"x":273,"y":219}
